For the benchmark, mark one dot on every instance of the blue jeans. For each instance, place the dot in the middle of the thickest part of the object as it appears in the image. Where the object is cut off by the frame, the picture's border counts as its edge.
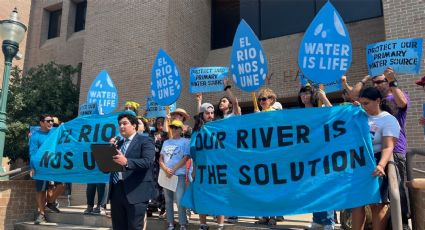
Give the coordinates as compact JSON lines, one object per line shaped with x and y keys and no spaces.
{"x":324,"y":218}
{"x":170,"y":196}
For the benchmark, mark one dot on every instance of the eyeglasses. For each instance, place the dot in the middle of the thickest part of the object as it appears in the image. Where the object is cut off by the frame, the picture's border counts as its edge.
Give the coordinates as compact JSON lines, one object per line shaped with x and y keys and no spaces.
{"x":378,"y":82}
{"x":263,"y":98}
{"x":48,"y":121}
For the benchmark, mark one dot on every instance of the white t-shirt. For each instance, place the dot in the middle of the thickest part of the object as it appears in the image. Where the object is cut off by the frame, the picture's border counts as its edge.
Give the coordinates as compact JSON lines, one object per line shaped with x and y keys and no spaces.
{"x":382,"y":125}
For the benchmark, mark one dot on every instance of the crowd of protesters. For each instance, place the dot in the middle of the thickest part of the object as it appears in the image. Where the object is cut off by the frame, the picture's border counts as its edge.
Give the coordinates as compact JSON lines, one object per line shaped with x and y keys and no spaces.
{"x":385,"y":104}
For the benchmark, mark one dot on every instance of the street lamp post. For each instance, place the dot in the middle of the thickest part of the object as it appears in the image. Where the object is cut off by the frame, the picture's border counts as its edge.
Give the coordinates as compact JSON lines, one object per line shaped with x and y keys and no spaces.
{"x":12,"y":31}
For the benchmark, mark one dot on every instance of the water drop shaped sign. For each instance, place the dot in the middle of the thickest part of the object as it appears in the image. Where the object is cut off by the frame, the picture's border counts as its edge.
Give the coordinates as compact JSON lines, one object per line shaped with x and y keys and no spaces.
{"x":103,"y":92}
{"x":325,"y":51}
{"x":248,"y":60}
{"x":166,"y":83}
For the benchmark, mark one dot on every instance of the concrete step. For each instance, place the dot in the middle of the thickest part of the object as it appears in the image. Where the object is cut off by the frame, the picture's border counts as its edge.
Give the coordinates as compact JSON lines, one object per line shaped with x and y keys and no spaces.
{"x":73,"y":218}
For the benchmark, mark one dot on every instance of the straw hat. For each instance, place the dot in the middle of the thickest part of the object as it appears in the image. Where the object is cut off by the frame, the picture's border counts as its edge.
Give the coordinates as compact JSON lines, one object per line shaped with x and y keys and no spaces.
{"x":181,"y":112}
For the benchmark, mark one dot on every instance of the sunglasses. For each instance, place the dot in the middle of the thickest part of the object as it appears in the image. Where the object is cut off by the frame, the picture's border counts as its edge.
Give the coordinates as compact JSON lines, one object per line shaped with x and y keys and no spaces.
{"x":379,"y":81}
{"x":48,"y":121}
{"x":174,"y":127}
{"x":263,"y":98}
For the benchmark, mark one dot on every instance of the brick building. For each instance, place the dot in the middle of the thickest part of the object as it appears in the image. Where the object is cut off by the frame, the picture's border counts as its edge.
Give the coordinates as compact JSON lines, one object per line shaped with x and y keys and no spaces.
{"x":23,"y":7}
{"x":123,"y":37}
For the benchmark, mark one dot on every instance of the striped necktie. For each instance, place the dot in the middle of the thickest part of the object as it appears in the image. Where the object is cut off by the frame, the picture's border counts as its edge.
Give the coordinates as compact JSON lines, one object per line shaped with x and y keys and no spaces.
{"x":117,"y":175}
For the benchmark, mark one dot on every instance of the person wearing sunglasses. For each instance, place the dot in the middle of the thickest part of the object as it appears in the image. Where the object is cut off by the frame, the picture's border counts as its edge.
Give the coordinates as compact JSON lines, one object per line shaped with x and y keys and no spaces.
{"x":36,"y":140}
{"x":266,"y":99}
{"x":175,"y":153}
{"x":398,"y":103}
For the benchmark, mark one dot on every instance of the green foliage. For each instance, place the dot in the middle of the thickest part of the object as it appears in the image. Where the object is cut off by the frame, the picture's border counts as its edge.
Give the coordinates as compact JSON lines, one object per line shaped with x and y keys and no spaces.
{"x":47,"y":88}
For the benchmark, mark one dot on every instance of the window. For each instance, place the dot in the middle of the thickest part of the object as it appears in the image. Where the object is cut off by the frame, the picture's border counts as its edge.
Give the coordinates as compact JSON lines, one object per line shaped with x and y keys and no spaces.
{"x":80,"y":16}
{"x":274,"y":18}
{"x":54,"y":24}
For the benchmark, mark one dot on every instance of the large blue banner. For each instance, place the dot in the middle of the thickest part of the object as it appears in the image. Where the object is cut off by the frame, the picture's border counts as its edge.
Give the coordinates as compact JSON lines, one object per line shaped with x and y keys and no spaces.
{"x":207,"y":79}
{"x":103,"y":92}
{"x":403,"y":55}
{"x":249,"y":62}
{"x":325,"y":50}
{"x":283,"y":162}
{"x":66,"y":155}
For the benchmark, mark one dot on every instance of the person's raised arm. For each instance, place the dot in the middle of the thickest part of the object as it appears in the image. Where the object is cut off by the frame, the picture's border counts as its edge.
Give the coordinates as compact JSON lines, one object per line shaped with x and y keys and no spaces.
{"x":354,"y":93}
{"x":399,"y":96}
{"x":323,"y":98}
{"x":198,"y":102}
{"x":233,"y":99}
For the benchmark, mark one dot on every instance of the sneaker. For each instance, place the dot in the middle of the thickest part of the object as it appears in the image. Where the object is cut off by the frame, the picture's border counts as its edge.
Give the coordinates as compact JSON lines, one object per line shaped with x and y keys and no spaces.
{"x":204,"y":227}
{"x":315,"y":226}
{"x":182,"y":227}
{"x":40,"y":219}
{"x":220,"y":227}
{"x":170,"y":227}
{"x":280,"y":218}
{"x":89,"y":210}
{"x":232,"y":219}
{"x":272,"y":221}
{"x":99,"y":210}
{"x":52,"y":207}
{"x":262,"y":220}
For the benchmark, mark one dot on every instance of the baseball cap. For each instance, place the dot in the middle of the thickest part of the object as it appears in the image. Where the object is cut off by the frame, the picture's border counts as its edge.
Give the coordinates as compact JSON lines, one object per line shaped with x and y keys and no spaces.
{"x":206,"y":106}
{"x":421,"y":82}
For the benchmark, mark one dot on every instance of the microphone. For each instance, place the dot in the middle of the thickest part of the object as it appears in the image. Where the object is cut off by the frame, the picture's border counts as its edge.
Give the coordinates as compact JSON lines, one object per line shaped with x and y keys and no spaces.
{"x":117,"y":139}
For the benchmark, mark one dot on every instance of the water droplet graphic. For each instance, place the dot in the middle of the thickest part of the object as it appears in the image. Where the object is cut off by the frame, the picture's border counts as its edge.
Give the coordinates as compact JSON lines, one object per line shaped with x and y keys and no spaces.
{"x":325,"y":50}
{"x":165,"y":80}
{"x":103,"y":92}
{"x":247,"y":58}
{"x":261,"y":71}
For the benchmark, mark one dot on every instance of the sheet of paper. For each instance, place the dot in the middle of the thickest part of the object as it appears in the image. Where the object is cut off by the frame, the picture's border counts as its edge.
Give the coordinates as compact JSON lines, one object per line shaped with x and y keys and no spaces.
{"x":168,"y":183}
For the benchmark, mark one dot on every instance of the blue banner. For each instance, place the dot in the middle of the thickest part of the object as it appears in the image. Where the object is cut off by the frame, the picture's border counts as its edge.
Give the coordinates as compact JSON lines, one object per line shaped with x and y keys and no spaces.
{"x":283,"y":162}
{"x":166,"y":83}
{"x":155,"y":110}
{"x":66,"y":155}
{"x":207,"y":79}
{"x":89,"y":109}
{"x":325,"y":50}
{"x":103,"y":92}
{"x":403,"y":55}
{"x":249,"y":62}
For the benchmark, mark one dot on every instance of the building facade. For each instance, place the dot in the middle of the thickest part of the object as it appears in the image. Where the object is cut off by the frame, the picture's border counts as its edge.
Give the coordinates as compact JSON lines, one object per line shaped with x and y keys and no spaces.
{"x":23,"y":7}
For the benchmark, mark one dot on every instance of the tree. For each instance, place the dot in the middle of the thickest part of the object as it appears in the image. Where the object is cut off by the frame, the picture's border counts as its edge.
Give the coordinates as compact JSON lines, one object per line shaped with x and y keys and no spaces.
{"x":47,"y":88}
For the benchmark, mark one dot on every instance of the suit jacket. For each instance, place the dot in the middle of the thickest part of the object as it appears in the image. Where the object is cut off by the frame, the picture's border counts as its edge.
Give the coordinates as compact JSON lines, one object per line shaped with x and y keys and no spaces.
{"x":137,"y":176}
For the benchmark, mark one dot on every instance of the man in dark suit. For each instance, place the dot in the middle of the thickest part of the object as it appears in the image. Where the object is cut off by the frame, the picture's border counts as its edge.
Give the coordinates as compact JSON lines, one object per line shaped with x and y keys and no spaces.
{"x":131,"y":189}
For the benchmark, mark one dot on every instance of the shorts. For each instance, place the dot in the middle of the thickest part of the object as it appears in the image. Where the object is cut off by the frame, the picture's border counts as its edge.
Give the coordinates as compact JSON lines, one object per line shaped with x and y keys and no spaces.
{"x":43,"y":185}
{"x":384,"y":187}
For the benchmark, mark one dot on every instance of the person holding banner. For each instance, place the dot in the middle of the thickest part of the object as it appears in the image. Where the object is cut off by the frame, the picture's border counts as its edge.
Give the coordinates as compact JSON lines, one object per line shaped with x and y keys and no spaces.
{"x":398,"y":103}
{"x":174,"y":154}
{"x":131,"y":189}
{"x":205,"y":115}
{"x":36,"y":141}
{"x":384,"y":130}
{"x":308,"y":97}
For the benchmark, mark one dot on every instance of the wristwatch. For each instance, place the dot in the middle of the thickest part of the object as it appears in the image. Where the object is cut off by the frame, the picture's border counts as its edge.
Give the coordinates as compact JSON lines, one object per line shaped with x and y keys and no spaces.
{"x":393,"y":84}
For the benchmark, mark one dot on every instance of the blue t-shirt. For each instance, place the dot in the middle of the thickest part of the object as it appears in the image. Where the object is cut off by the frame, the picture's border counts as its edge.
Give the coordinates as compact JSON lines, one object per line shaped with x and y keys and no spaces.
{"x":36,"y":140}
{"x":173,"y":150}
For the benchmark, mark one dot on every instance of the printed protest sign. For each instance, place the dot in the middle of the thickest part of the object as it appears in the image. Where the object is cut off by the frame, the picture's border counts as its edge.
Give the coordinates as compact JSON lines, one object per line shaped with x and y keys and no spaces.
{"x":328,"y":88}
{"x":66,"y":155}
{"x":257,"y":164}
{"x":249,"y":63}
{"x":89,"y":109}
{"x":207,"y":79}
{"x":325,"y":50}
{"x":403,"y":55}
{"x":103,"y":92}
{"x":155,"y":110}
{"x":166,"y":83}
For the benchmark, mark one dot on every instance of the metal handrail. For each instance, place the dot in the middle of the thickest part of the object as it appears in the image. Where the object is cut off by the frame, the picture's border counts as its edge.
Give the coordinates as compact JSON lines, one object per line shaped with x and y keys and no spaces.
{"x":20,"y":171}
{"x":395,"y":204}
{"x":409,"y":162}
